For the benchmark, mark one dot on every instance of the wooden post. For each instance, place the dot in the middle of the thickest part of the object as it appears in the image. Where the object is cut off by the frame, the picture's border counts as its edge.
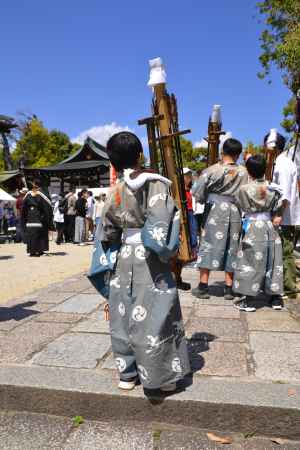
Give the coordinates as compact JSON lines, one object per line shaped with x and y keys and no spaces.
{"x":161,"y":100}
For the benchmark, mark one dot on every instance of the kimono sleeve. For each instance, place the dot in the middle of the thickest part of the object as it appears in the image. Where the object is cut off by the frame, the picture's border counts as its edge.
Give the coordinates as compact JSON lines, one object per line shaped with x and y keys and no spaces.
{"x":106,"y":247}
{"x":160,"y":233}
{"x":199,"y":191}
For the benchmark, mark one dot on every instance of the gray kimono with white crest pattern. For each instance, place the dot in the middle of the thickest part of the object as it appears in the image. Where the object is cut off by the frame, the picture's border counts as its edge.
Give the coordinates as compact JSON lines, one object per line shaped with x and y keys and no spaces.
{"x":222,"y":225}
{"x":259,"y":266}
{"x":145,"y":317}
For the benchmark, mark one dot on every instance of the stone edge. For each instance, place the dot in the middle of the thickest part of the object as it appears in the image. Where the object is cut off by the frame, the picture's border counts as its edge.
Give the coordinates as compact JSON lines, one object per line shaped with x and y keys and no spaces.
{"x":265,"y":408}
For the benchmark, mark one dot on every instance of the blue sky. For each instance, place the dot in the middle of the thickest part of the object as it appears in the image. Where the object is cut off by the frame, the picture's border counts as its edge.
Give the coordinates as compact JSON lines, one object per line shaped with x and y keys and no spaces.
{"x":84,"y":64}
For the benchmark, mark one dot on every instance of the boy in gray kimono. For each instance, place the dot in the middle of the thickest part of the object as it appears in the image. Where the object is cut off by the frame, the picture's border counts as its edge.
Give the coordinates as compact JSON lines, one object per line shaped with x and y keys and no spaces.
{"x":259,"y":266}
{"x":141,"y":221}
{"x":217,"y":187}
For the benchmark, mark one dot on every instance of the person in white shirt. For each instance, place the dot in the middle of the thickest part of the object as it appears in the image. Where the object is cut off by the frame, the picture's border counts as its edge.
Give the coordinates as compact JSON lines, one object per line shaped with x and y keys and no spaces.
{"x":89,"y":216}
{"x":285,"y":175}
{"x":58,"y":215}
{"x":98,"y":207}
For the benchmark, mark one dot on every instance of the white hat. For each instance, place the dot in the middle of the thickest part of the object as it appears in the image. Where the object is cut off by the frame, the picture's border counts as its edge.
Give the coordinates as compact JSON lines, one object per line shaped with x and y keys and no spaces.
{"x":187,"y":170}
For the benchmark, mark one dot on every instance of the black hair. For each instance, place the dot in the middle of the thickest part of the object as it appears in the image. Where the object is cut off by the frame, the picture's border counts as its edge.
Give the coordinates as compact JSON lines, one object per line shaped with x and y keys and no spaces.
{"x":232,"y":147}
{"x":90,"y":193}
{"x":280,"y":141}
{"x":36,"y":182}
{"x":84,"y":191}
{"x":124,"y":150}
{"x":256,"y":166}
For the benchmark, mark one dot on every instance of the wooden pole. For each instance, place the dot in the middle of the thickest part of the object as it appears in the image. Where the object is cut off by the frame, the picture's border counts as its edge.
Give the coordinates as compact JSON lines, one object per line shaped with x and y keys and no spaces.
{"x":165,"y":126}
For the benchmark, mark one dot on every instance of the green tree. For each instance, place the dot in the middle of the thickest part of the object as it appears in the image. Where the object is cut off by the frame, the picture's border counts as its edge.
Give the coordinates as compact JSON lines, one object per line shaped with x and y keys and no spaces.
{"x":280,"y":40}
{"x":253,"y":149}
{"x":288,"y":122}
{"x":280,"y":44}
{"x":41,"y":147}
{"x":192,"y":157}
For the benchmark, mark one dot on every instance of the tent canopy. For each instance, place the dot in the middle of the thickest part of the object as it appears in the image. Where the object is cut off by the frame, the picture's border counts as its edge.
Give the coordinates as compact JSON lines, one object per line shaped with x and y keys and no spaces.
{"x":5,"y":197}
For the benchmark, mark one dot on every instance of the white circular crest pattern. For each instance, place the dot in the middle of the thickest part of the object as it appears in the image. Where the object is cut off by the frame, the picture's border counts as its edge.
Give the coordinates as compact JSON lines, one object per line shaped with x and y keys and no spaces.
{"x":113,"y":257}
{"x":139,"y":313}
{"x":278,"y":241}
{"x":215,"y":263}
{"x":115,"y":282}
{"x":234,"y":208}
{"x":259,"y":223}
{"x":176,"y":365}
{"x":219,"y":235}
{"x":255,"y":287}
{"x":142,"y":372}
{"x":126,"y":251}
{"x":258,"y":256}
{"x":275,"y":287}
{"x":240,"y":254}
{"x":103,"y":259}
{"x":122,"y":310}
{"x":121,"y":364}
{"x":224,"y":206}
{"x":140,"y":252}
{"x":235,"y":236}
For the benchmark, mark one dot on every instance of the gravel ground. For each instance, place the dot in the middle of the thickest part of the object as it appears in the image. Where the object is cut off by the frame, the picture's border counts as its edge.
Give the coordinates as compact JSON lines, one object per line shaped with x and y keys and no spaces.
{"x":20,"y":274}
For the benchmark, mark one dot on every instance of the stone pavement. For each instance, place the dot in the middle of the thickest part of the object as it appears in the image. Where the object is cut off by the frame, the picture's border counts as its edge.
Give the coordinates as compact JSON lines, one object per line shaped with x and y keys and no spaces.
{"x":27,"y":431}
{"x":57,"y":339}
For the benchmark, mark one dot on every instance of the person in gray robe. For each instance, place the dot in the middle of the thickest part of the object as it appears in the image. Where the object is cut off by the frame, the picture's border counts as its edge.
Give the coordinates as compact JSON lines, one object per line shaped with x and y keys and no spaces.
{"x":138,"y":234}
{"x":259,"y":266}
{"x":221,"y":230}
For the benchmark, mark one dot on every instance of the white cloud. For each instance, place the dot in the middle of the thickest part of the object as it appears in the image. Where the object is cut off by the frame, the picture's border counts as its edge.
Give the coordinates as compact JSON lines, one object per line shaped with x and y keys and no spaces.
{"x":100,"y":133}
{"x":201,"y":144}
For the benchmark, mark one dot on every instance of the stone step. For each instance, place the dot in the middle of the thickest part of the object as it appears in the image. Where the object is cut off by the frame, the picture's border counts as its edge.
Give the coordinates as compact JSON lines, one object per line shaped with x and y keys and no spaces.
{"x":268,"y":409}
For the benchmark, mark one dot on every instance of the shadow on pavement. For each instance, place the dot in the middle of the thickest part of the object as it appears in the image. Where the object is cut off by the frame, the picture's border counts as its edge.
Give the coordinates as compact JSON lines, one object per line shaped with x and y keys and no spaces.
{"x":17,"y":312}
{"x":4,"y":258}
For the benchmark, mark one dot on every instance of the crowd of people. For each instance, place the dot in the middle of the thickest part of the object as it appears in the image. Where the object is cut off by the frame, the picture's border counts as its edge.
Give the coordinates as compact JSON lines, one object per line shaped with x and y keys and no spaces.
{"x":239,"y":223}
{"x":77,"y":216}
{"x":73,"y":217}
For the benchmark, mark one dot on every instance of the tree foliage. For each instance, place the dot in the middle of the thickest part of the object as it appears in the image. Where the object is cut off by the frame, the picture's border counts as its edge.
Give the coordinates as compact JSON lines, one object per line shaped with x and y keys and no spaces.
{"x":253,"y":149}
{"x":38,"y":146}
{"x":288,"y":122}
{"x":192,"y":157}
{"x":280,"y":40}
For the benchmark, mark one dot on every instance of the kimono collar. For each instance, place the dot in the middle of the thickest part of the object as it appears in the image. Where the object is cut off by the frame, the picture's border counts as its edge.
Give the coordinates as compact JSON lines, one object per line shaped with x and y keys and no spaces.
{"x":138,"y":181}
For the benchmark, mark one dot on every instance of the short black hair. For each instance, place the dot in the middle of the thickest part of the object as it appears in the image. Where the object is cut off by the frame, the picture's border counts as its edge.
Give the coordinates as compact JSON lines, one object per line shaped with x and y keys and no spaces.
{"x":256,"y":166}
{"x":280,"y":141}
{"x":84,"y":191}
{"x":36,"y":182}
{"x":232,"y":147}
{"x":124,"y":150}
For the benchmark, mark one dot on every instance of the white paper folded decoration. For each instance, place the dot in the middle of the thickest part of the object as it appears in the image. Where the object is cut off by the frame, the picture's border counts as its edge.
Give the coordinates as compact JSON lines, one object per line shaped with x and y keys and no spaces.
{"x":272,"y":139}
{"x":157,"y":72}
{"x":216,"y":114}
